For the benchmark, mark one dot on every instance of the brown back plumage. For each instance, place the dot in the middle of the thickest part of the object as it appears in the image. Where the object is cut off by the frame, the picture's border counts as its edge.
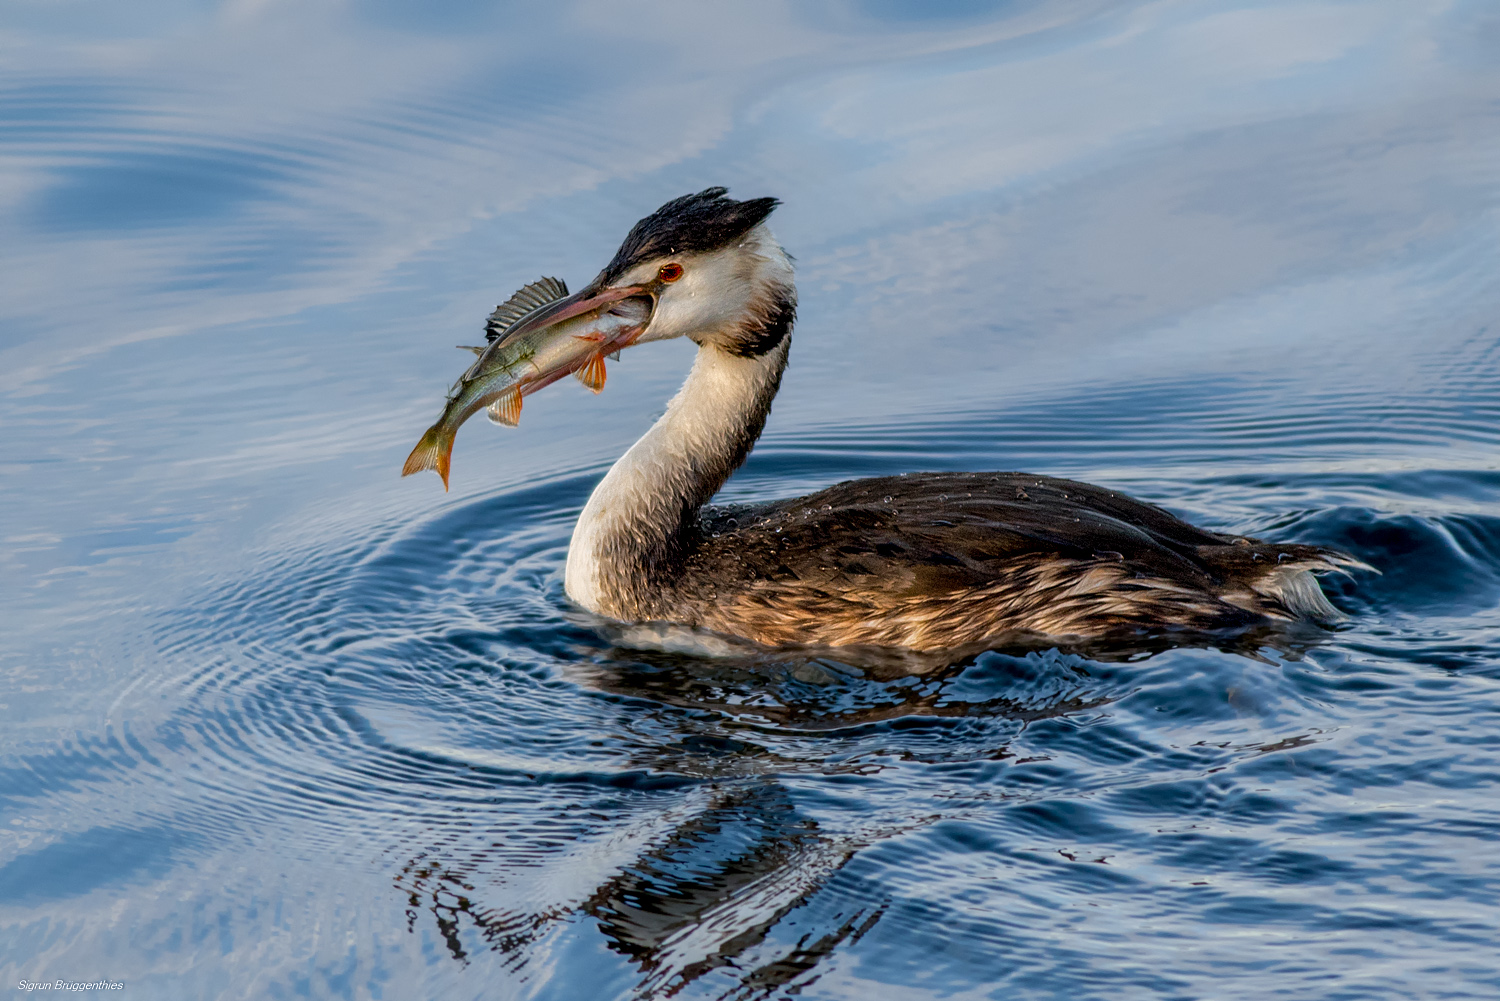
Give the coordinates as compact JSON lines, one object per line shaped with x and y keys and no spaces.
{"x":936,"y":560}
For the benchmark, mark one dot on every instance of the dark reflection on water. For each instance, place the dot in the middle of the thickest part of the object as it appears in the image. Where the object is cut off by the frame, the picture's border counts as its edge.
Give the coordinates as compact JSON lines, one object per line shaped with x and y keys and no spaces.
{"x":697,"y":902}
{"x":704,"y":894}
{"x":275,"y":723}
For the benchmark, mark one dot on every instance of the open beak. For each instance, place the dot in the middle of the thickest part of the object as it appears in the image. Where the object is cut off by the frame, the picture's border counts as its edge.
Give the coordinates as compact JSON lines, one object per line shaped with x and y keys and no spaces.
{"x":551,"y":323}
{"x":582,"y":301}
{"x":572,"y":335}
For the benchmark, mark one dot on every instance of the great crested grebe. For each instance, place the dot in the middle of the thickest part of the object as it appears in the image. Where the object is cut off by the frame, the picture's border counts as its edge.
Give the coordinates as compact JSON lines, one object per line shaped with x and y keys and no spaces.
{"x":922,"y":561}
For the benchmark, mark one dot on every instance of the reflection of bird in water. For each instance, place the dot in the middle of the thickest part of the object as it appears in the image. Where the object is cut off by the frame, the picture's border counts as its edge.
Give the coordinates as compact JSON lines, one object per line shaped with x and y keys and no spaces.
{"x":705,"y":899}
{"x":733,"y":879}
{"x":925,"y":561}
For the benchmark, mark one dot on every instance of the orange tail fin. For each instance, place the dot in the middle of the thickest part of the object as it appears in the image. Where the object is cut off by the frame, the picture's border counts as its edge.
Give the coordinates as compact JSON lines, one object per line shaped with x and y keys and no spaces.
{"x":432,"y":452}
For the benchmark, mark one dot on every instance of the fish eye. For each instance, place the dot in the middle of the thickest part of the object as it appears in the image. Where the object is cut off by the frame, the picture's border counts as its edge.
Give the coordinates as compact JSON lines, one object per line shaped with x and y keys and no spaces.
{"x":670,"y":272}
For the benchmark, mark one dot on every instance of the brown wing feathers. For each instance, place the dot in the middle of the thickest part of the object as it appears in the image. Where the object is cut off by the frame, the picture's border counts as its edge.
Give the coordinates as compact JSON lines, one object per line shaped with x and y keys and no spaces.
{"x":939,"y":559}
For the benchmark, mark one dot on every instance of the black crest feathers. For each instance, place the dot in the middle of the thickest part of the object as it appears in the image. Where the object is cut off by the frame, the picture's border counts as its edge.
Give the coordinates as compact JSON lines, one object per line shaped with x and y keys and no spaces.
{"x":692,"y":223}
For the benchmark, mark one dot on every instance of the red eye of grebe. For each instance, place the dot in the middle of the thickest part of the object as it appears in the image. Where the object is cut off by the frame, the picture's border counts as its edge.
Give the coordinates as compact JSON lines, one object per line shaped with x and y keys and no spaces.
{"x":670,"y":272}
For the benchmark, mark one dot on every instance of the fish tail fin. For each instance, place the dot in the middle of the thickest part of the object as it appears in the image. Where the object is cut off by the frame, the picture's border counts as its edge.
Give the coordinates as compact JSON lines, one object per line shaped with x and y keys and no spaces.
{"x":432,"y":452}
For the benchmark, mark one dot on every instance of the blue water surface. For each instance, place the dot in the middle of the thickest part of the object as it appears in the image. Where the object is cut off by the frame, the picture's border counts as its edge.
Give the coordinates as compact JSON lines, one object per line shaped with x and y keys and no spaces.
{"x":276,"y":723}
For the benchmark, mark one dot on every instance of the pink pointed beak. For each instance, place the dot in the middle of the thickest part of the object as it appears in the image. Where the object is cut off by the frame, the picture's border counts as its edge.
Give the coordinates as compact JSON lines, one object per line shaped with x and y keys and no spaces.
{"x":581,"y":301}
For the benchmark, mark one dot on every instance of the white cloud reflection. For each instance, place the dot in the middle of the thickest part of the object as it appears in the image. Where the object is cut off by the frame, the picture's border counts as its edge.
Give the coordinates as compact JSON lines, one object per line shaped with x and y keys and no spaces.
{"x":298,"y":154}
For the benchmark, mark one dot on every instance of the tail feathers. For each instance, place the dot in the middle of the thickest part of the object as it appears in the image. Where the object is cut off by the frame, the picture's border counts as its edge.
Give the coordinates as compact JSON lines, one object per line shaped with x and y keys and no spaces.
{"x":432,"y":452}
{"x":1283,"y":575}
{"x":1318,"y":559}
{"x":1299,"y":593}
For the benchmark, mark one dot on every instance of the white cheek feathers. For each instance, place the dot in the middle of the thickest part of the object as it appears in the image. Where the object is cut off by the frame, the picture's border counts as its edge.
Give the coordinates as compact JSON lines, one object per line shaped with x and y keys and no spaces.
{"x":720,"y":289}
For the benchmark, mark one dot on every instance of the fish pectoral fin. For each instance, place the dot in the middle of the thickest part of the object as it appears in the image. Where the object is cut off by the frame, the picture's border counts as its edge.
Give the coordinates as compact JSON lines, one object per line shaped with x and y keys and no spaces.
{"x":506,"y":410}
{"x":470,"y":347}
{"x":592,"y":373}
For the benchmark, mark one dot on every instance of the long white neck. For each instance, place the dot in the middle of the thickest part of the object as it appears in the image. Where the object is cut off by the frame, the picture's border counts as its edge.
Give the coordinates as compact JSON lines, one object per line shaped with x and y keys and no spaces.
{"x":640,"y":516}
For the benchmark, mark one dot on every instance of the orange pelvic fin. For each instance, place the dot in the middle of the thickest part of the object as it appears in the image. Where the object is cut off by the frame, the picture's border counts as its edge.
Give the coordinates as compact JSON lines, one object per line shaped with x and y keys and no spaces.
{"x":433,"y":452}
{"x":507,"y":409}
{"x":592,"y":373}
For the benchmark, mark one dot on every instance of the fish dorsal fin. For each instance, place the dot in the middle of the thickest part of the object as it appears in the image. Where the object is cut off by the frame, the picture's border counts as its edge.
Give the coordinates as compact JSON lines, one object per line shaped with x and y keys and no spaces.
{"x":539,"y":293}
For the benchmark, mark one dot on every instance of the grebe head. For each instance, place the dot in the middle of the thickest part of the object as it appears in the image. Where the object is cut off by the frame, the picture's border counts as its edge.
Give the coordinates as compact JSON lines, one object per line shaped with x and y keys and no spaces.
{"x":707,"y":265}
{"x":714,"y":274}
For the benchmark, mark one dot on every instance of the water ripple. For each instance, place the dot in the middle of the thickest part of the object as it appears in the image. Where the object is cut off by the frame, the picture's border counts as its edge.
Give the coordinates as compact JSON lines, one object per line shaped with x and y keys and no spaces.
{"x":283,"y":724}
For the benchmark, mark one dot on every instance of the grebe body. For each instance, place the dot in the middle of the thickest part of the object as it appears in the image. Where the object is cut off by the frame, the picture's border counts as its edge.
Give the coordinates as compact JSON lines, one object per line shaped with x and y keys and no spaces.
{"x":922,"y":561}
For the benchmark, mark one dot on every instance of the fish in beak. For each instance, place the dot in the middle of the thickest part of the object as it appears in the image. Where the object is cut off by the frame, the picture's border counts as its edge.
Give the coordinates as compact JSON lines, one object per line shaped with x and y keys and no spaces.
{"x":536,"y":337}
